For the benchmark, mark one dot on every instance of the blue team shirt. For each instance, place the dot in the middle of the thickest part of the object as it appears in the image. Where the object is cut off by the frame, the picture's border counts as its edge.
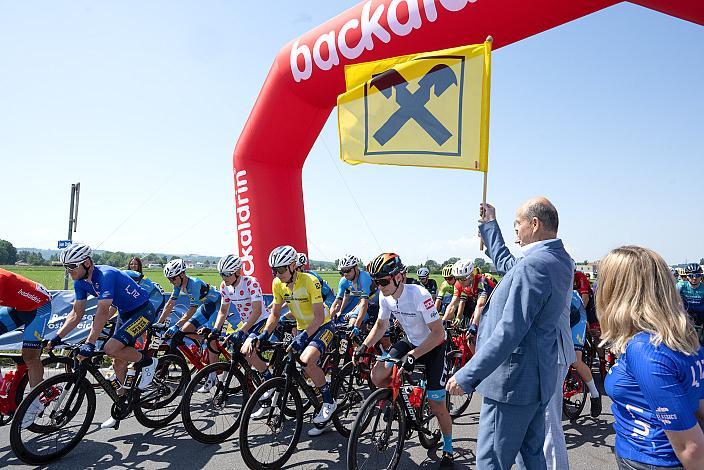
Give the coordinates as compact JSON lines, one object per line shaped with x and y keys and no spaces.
{"x":198,"y":292}
{"x":155,"y":291}
{"x":111,"y":283}
{"x":653,"y":389}
{"x":325,"y":289}
{"x":356,"y":291}
{"x":693,"y":299}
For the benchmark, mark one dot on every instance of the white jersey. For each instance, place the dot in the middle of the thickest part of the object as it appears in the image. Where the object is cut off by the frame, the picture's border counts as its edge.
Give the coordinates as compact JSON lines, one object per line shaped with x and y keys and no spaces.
{"x":414,"y":309}
{"x":244,"y":295}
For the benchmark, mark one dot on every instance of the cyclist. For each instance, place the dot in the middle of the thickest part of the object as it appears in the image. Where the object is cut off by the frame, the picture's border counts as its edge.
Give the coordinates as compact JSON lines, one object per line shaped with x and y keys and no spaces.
{"x":447,"y":288}
{"x":326,"y":290}
{"x":204,"y":300}
{"x":302,"y":294}
{"x":424,"y":340}
{"x":24,"y":302}
{"x":486,"y":285}
{"x":675,"y":275}
{"x":245,"y":293}
{"x":578,"y":323}
{"x":353,"y":293}
{"x":464,"y":299}
{"x":430,"y":285}
{"x":692,"y":294}
{"x":111,"y":287}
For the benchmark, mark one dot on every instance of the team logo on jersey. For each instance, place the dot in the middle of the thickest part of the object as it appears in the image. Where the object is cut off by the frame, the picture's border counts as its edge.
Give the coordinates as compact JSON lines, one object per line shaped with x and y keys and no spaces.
{"x":428,"y":303}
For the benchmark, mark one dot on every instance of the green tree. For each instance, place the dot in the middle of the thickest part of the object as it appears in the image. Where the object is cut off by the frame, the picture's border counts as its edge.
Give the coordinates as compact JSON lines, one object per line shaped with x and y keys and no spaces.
{"x":481,"y":264}
{"x":8,"y":253}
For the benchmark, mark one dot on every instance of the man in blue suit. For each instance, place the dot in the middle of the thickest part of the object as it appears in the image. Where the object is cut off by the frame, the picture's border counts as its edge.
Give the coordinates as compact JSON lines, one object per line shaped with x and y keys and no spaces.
{"x":515,"y":366}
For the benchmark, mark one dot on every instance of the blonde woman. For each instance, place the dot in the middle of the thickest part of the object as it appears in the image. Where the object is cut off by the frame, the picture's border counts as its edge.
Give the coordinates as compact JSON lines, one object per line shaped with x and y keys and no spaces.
{"x":657,"y":384}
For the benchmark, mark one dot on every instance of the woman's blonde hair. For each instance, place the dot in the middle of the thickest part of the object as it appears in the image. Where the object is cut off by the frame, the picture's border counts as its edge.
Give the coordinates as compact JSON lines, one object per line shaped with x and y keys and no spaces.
{"x":636,"y":293}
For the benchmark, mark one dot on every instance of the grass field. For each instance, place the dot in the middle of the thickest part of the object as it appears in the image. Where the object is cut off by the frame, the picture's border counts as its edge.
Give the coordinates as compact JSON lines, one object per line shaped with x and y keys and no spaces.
{"x":52,"y":277}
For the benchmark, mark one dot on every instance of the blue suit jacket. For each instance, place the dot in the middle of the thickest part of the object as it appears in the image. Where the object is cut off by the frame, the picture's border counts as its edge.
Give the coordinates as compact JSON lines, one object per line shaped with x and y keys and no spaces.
{"x":516,"y":358}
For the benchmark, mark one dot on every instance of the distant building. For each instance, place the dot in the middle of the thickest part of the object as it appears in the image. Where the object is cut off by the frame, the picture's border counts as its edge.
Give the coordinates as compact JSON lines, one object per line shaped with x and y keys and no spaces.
{"x":589,"y":269}
{"x":154,"y":265}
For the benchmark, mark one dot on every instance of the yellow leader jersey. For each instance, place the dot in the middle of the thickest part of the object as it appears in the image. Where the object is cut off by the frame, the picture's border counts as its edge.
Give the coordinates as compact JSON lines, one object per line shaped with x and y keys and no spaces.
{"x":300,"y":299}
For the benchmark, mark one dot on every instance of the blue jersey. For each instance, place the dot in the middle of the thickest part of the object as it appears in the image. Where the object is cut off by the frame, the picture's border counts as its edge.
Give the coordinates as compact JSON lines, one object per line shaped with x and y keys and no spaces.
{"x":356,"y":290}
{"x":198,"y":292}
{"x":154,"y":289}
{"x":325,"y":288}
{"x":111,"y":283}
{"x":654,"y":389}
{"x":693,"y":299}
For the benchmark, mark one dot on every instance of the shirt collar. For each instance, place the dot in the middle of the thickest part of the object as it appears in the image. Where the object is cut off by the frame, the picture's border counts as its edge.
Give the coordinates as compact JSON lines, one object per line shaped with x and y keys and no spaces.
{"x":529,"y":248}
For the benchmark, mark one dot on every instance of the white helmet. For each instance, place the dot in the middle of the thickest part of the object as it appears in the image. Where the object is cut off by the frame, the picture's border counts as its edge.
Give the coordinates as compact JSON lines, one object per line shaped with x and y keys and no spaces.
{"x":229,"y":265}
{"x":174,"y":267}
{"x":282,"y":256}
{"x":301,"y":260}
{"x":75,"y":253}
{"x":423,"y":272}
{"x":348,"y":261}
{"x":463,"y":268}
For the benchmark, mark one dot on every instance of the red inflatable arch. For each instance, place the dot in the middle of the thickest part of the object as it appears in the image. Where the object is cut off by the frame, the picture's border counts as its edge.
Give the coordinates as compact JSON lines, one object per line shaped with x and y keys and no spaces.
{"x":307,"y":75}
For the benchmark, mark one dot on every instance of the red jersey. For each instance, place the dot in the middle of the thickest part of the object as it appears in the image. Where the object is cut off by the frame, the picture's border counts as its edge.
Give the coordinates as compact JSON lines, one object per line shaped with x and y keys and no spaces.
{"x":581,"y":283}
{"x":20,"y":293}
{"x":471,"y":290}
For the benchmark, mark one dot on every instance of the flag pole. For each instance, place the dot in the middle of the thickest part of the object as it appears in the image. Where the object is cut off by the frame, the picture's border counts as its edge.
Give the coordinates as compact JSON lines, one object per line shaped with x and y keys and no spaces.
{"x":490,"y":40}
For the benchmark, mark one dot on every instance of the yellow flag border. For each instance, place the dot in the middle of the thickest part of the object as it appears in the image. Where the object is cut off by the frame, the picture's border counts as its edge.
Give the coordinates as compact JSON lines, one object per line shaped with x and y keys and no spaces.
{"x":485,"y":107}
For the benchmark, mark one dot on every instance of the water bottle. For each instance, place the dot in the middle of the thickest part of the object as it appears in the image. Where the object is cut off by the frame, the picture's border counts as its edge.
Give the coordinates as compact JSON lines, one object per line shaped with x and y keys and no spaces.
{"x":114,"y":381}
{"x":343,"y":345}
{"x":129,"y":379}
{"x":7,"y":383}
{"x":416,"y":397}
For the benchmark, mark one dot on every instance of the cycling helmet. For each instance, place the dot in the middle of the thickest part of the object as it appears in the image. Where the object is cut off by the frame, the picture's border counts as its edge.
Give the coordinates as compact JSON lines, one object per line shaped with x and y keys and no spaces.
{"x":447,"y":270}
{"x":674,"y":273}
{"x":692,"y":268}
{"x":75,"y":253}
{"x":229,"y":264}
{"x":282,"y":256}
{"x":348,"y":261}
{"x":423,"y":272}
{"x":174,"y":267}
{"x":463,"y":268}
{"x":386,"y":264}
{"x":301,"y":260}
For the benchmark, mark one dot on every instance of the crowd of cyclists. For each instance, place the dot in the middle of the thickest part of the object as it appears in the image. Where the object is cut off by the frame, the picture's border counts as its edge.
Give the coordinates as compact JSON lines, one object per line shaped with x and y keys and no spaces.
{"x":370,"y":302}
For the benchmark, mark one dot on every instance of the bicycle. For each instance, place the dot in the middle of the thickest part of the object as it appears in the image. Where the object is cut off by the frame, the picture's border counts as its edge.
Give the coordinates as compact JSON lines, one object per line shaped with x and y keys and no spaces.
{"x":213,"y":416}
{"x":284,"y":418}
{"x":591,"y":354}
{"x":69,"y":413}
{"x":382,"y":410}
{"x":461,"y":352}
{"x":574,"y":394}
{"x":15,"y":382}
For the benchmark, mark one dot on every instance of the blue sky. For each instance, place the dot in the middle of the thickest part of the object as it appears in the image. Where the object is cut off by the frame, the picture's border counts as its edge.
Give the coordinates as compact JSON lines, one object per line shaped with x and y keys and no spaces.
{"x":143,"y":104}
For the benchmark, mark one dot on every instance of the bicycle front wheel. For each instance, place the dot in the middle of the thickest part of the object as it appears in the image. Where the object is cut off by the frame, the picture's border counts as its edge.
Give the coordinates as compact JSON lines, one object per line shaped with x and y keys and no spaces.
{"x":378,"y":433}
{"x":212,"y":415}
{"x":53,"y":419}
{"x":457,"y":403}
{"x":160,"y":403}
{"x":349,"y":397}
{"x":268,"y":439}
{"x":574,"y":394}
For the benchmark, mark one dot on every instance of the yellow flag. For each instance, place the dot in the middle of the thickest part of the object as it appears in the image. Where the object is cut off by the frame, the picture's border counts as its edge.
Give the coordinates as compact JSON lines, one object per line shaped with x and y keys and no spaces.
{"x":429,"y":109}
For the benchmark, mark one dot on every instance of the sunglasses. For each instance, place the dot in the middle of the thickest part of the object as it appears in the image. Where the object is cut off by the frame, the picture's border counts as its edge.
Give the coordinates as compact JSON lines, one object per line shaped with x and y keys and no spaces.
{"x":461,"y":278}
{"x":449,"y":278}
{"x":279,"y":270}
{"x":227,"y":274}
{"x":345,"y":271}
{"x":694,"y":276}
{"x":172,"y":278}
{"x":71,"y":267}
{"x":383,"y":281}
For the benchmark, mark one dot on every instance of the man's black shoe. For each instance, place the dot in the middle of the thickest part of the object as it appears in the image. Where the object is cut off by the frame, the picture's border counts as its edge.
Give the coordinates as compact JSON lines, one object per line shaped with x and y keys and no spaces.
{"x":447,"y":460}
{"x":596,"y":407}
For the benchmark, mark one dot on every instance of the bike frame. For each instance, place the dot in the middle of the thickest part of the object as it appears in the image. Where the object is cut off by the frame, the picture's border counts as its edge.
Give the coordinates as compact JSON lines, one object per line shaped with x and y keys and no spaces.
{"x":398,"y":380}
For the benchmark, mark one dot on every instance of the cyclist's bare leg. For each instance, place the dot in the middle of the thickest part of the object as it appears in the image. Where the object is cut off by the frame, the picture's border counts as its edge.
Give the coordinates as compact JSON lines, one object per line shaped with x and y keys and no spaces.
{"x":254,"y":360}
{"x":381,"y":374}
{"x":120,"y":368}
{"x":582,"y":368}
{"x":310,"y":357}
{"x":35,"y":369}
{"x":117,"y":350}
{"x":439,"y":409}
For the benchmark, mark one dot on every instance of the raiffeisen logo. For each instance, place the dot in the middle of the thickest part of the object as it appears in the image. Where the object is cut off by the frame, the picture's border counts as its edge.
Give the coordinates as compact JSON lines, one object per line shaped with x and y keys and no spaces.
{"x":369,"y":27}
{"x":243,"y":225}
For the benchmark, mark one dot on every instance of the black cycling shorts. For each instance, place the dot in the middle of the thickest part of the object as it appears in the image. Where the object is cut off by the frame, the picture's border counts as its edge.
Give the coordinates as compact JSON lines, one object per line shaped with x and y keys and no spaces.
{"x":434,"y":362}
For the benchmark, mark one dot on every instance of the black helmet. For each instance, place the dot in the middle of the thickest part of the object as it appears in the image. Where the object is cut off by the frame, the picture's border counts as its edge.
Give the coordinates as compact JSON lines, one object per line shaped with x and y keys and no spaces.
{"x":692,"y":268}
{"x":386,"y":264}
